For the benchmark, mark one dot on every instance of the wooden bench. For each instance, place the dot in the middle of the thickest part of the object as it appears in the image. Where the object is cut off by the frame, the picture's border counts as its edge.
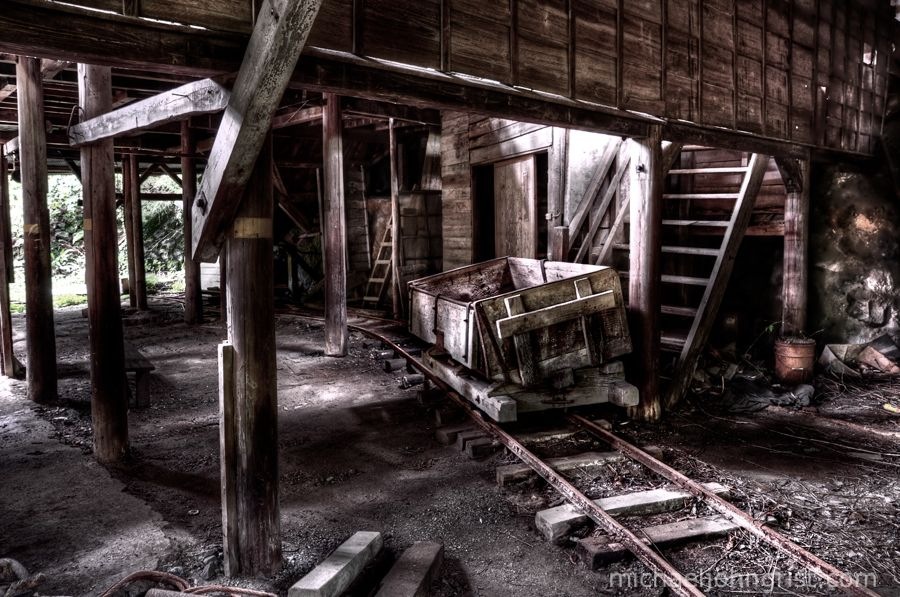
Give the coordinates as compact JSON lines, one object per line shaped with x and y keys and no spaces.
{"x":138,"y":364}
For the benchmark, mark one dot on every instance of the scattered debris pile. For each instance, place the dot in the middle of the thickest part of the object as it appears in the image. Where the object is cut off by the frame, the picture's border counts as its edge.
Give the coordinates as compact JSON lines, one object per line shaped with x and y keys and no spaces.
{"x":15,"y":581}
{"x":743,"y":384}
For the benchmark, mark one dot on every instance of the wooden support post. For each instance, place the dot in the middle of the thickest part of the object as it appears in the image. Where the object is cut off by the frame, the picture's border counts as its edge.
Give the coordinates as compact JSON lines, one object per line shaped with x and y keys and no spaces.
{"x":396,"y":227}
{"x":335,"y":224}
{"x":39,"y":323}
{"x":557,"y":245}
{"x":137,"y":227}
{"x":7,"y":357}
{"x":223,"y":283}
{"x":109,"y":405}
{"x":129,"y":227}
{"x":250,"y":464}
{"x":645,"y":188}
{"x":193,"y":299}
{"x":796,"y":243}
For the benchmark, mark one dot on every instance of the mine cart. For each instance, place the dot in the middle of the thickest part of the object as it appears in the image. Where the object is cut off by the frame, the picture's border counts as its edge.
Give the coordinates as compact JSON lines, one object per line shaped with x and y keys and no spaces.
{"x":516,"y":335}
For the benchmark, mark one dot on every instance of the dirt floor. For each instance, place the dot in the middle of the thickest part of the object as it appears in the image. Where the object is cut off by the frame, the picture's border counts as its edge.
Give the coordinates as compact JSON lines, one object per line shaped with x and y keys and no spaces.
{"x":358,"y":453}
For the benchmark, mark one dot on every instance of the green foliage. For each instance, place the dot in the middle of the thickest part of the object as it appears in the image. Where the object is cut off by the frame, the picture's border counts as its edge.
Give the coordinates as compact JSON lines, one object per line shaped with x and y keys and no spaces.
{"x":69,"y":300}
{"x":163,"y":231}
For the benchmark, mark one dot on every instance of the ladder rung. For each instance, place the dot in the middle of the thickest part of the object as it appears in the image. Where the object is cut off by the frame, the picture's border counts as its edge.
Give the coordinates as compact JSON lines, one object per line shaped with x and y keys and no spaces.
{"x":382,"y":261}
{"x":679,"y":311}
{"x":691,"y":251}
{"x":701,"y":195}
{"x":370,"y":299}
{"x":377,"y":280}
{"x":704,"y":223}
{"x":686,"y":280}
{"x":734,"y":170}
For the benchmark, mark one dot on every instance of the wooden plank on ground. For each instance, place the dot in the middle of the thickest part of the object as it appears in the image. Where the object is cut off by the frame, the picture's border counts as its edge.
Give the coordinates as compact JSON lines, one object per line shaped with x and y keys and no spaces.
{"x":557,"y":523}
{"x":193,"y":99}
{"x":332,"y":577}
{"x":596,"y":552}
{"x":278,"y":37}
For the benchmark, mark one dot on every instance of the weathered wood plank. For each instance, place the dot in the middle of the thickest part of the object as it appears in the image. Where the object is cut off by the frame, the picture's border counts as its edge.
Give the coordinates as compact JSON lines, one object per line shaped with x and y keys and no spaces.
{"x":109,"y":408}
{"x":193,"y":99}
{"x":137,"y":229}
{"x":280,"y":33}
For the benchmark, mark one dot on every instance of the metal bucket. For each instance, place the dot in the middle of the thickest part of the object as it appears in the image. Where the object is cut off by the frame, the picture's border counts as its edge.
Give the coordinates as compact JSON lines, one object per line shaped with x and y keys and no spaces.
{"x":795,"y":359}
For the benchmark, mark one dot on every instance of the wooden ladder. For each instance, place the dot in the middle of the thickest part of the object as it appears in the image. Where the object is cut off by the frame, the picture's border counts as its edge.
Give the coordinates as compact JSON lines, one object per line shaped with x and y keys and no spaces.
{"x":381,"y":269}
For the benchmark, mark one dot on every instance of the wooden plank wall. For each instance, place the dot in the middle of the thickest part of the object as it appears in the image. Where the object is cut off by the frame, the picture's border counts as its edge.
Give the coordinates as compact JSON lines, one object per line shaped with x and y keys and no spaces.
{"x":808,"y":71}
{"x":456,"y":171}
{"x":355,"y":206}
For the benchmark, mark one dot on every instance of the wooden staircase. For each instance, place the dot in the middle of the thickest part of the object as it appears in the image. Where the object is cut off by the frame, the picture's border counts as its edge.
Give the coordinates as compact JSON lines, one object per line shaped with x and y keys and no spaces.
{"x":696,"y":265}
{"x":381,"y":270}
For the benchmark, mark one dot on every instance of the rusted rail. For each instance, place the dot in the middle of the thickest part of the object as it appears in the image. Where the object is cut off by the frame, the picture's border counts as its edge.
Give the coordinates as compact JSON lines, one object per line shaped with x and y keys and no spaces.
{"x":820,"y":567}
{"x":644,"y":552}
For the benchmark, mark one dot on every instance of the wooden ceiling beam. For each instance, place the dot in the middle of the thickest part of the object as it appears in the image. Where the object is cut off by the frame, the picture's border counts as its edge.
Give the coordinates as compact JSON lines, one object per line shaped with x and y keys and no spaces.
{"x":278,"y":38}
{"x":196,"y":98}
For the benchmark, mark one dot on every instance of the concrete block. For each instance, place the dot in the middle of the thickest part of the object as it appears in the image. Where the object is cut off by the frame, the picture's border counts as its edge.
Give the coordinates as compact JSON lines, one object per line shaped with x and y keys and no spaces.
{"x":340,"y":569}
{"x":414,"y":572}
{"x":557,"y":523}
{"x":464,"y":437}
{"x":481,"y":447}
{"x":447,"y":434}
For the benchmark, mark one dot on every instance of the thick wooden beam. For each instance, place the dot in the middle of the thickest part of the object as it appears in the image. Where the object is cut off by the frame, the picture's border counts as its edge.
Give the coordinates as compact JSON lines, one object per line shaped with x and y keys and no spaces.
{"x":795,"y":174}
{"x":193,"y":299}
{"x":251,"y":515}
{"x":383,"y":110}
{"x":396,"y":229}
{"x":39,"y":323}
{"x":137,"y":227}
{"x":645,"y":203}
{"x":7,"y":357}
{"x":296,"y":116}
{"x":192,"y":99}
{"x":335,"y":226}
{"x":279,"y":35}
{"x":109,"y":403}
{"x":128,"y":218}
{"x":49,"y":69}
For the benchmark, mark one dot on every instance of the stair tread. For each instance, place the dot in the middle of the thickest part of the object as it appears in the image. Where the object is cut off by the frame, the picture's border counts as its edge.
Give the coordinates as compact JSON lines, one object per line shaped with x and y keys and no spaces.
{"x":688,"y":280}
{"x":681,"y":250}
{"x":714,"y":170}
{"x":709,"y":223}
{"x":701,"y":195}
{"x":673,"y":340}
{"x":706,"y":252}
{"x":679,"y":311}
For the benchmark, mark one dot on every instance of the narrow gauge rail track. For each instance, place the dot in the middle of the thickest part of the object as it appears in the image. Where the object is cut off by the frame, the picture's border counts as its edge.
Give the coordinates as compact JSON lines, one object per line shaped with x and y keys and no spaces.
{"x":394,"y":334}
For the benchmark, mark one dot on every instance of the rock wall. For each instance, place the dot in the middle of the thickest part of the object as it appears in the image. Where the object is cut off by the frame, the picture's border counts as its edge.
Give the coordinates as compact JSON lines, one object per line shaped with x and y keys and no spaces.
{"x":854,"y":249}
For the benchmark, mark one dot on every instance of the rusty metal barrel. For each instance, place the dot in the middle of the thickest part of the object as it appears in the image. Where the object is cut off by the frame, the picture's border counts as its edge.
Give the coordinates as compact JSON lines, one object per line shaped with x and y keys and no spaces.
{"x":795,"y":359}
